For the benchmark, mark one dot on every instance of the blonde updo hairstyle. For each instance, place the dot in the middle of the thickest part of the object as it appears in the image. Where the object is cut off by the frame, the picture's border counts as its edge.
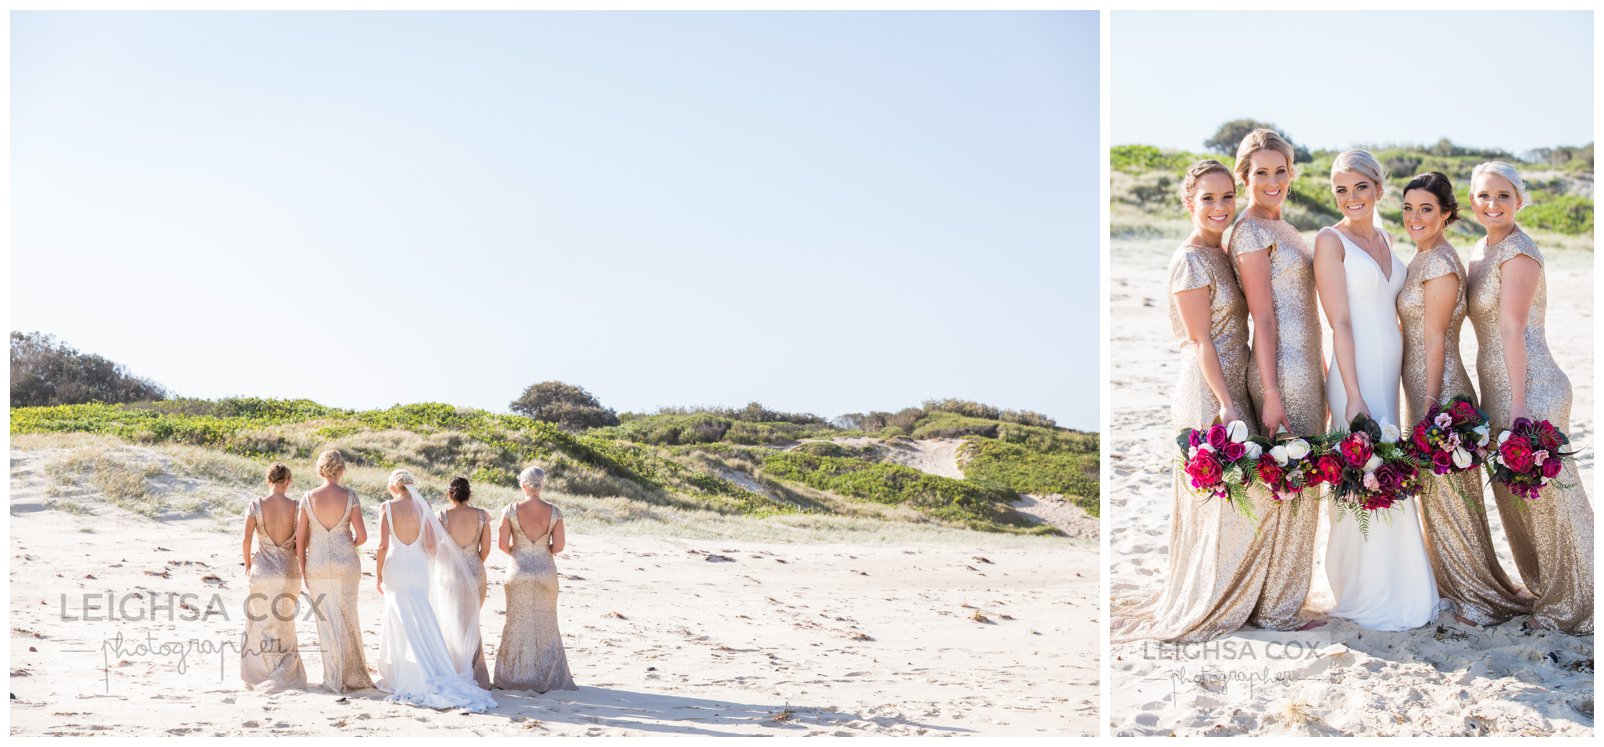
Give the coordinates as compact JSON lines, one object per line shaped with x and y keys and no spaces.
{"x":278,"y":473}
{"x":331,"y":464}
{"x":1362,"y":163}
{"x":1195,"y":174}
{"x":1508,"y":172}
{"x":532,"y":477}
{"x":400,"y":477}
{"x":1255,"y":141}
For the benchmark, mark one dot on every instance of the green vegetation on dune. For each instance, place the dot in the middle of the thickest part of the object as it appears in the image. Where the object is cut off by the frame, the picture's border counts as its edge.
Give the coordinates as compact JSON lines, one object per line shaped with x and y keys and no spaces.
{"x":675,"y":458}
{"x":1147,"y":179}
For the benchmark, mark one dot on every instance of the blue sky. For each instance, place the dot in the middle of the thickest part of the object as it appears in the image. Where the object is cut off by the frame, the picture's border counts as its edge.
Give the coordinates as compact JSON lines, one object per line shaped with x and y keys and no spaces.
{"x":1336,"y":80}
{"x":826,"y":212}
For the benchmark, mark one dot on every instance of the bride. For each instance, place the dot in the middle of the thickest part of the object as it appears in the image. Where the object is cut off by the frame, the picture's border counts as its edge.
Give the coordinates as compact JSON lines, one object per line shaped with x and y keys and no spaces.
{"x":1383,"y":582}
{"x":424,"y":659}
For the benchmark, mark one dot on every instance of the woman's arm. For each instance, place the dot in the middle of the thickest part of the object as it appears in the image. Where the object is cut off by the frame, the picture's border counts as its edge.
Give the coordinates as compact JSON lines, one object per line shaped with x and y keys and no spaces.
{"x":1331,"y":281}
{"x":250,"y":531}
{"x":504,"y":536}
{"x":302,"y":534}
{"x":384,"y":547}
{"x":1253,"y":271}
{"x":1194,"y":307}
{"x":1442,"y":293}
{"x":358,"y":526}
{"x":559,"y":538}
{"x":484,"y":538}
{"x":1520,"y":275}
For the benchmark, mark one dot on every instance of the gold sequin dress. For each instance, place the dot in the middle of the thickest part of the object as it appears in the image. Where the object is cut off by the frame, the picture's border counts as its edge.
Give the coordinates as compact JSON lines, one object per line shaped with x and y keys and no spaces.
{"x":1289,"y":527}
{"x":531,"y":655}
{"x":1458,"y":540}
{"x":333,"y":573}
{"x":481,"y":674}
{"x":269,"y":656}
{"x":1216,"y":568}
{"x":1552,"y":538}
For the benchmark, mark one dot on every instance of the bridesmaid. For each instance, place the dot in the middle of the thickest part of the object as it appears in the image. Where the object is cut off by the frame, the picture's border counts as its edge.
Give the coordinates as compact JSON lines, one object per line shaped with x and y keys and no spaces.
{"x":1215,"y":569}
{"x":469,"y":527}
{"x":328,"y":529}
{"x":1287,"y":380}
{"x":1552,"y":538}
{"x":270,"y":656}
{"x":531,"y":656}
{"x":1431,"y":309}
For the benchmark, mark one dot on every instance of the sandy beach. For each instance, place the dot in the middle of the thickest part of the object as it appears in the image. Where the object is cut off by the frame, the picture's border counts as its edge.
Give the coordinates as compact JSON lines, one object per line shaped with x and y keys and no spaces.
{"x":1443,"y":679}
{"x":670,"y":630}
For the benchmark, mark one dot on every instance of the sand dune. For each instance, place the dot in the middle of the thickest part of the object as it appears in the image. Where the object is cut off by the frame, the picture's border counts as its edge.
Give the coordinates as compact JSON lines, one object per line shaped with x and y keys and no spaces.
{"x":1443,"y":679}
{"x":972,"y":635}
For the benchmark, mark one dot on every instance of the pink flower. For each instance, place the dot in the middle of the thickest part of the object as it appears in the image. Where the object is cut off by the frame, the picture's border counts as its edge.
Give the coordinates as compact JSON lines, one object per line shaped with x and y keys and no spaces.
{"x":1443,"y":420}
{"x":1204,"y":470}
{"x":1218,"y":437}
{"x":1371,"y":482}
{"x":1517,"y":453}
{"x":1232,"y":451}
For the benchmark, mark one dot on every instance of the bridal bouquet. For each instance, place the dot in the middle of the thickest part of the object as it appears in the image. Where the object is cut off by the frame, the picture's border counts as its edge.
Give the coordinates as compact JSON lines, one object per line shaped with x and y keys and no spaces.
{"x":1376,"y":471}
{"x":1451,"y":438}
{"x":1221,"y":461}
{"x":1528,"y":456}
{"x":1292,"y":465}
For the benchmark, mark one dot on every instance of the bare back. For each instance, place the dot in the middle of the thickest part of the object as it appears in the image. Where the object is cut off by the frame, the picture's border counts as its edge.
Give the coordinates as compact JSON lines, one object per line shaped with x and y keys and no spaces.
{"x":328,"y":504}
{"x":405,"y":523}
{"x":534,"y":512}
{"x":464,"y":524}
{"x":278,"y":519}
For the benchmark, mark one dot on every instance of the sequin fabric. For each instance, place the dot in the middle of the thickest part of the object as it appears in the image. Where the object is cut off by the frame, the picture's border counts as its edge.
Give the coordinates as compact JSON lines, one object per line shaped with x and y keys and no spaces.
{"x":1290,"y":527}
{"x":1217,"y":566}
{"x":531,"y":656}
{"x":1551,"y":538}
{"x":1452,"y":510}
{"x":481,"y":674}
{"x":333,"y":574}
{"x":270,"y":656}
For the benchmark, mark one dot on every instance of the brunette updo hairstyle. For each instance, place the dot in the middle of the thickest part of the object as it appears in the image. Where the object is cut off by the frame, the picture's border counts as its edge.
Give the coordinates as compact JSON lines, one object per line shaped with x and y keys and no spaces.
{"x":458,"y":490}
{"x":278,"y":473}
{"x":1195,"y":173}
{"x":1438,"y":185}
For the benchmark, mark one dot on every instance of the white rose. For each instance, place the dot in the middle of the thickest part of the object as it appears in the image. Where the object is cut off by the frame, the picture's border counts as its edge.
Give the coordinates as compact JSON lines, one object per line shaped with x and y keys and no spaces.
{"x":1374,"y":462}
{"x":1279,"y":454}
{"x":1482,"y":431}
{"x":1252,"y":450}
{"x":1502,"y":437}
{"x":1237,"y":431}
{"x":1389,"y":433}
{"x":1191,"y":453}
{"x":1204,"y":446}
{"x":1461,"y":458}
{"x":1297,"y":448}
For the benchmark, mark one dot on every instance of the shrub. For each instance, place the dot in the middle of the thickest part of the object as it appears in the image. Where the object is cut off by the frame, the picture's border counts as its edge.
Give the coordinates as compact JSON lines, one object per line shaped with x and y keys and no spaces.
{"x":46,"y":371}
{"x":1568,"y":214}
{"x":567,"y":406}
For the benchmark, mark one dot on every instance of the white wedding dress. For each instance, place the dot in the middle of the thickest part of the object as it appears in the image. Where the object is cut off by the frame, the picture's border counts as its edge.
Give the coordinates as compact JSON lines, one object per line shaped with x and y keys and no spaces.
{"x":425,"y":659}
{"x":1385,"y":582}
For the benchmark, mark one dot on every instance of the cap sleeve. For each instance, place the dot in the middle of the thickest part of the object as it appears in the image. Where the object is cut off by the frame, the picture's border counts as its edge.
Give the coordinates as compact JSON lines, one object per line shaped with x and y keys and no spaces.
{"x":556,"y":514}
{"x":253,"y":510}
{"x":352,"y":502}
{"x":1251,"y":236}
{"x":1437,"y":263}
{"x":1188,"y":271}
{"x":1517,"y":244}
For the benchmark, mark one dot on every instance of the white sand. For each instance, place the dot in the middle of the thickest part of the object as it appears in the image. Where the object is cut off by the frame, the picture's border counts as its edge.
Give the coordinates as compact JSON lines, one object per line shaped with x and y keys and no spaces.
{"x":1337,"y":679}
{"x":664,"y":636}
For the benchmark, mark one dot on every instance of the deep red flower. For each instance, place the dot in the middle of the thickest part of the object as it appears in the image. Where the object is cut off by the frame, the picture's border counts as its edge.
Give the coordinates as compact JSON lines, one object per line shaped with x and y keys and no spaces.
{"x":1463,"y":412}
{"x":1551,"y":467}
{"x":1204,"y":470}
{"x":1517,"y":453}
{"x":1329,"y":468}
{"x":1355,"y":449}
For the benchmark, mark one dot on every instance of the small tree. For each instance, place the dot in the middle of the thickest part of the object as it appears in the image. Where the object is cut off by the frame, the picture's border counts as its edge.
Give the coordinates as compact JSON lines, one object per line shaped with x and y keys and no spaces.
{"x":46,"y":371}
{"x":1230,"y":134}
{"x":566,"y":406}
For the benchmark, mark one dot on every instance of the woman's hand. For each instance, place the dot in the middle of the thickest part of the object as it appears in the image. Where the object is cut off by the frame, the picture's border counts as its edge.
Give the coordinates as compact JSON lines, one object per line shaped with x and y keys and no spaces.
{"x":1273,"y":416}
{"x":1230,"y":413}
{"x":1517,"y":411}
{"x":1356,"y":406}
{"x":378,"y":583}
